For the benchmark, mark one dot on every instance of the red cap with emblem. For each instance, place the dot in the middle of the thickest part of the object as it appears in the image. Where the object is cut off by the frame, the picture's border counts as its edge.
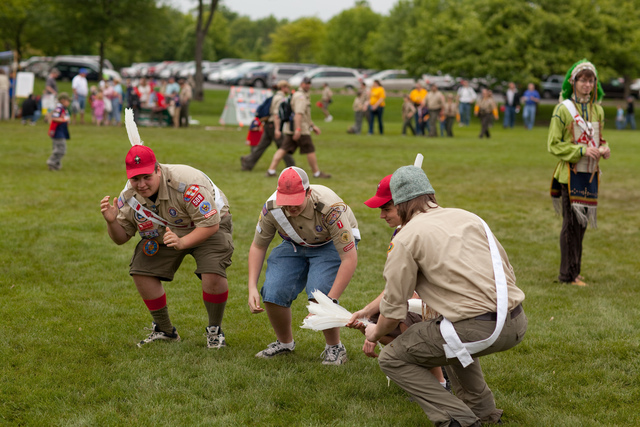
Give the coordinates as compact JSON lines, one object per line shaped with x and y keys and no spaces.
{"x":140,"y":161}
{"x":383,"y":194}
{"x":292,"y":187}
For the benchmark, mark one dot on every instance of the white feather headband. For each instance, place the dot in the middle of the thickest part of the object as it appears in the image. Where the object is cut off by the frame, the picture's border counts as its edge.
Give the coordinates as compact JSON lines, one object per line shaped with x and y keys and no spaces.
{"x":132,"y":129}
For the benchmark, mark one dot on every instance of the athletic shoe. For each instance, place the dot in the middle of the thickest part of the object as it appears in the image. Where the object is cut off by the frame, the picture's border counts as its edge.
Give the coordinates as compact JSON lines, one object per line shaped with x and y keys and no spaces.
{"x":275,"y":349}
{"x":270,"y":175}
{"x":329,"y":119}
{"x":323,"y":175}
{"x":577,"y":282}
{"x":334,"y":355}
{"x":159,"y":335}
{"x":243,"y":164}
{"x":215,"y":337}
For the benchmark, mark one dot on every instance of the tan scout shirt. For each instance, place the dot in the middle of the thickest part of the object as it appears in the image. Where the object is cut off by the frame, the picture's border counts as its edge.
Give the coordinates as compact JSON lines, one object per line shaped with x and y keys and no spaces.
{"x":326,"y":217}
{"x":185,"y":198}
{"x":301,"y":104}
{"x":275,"y":104}
{"x":435,"y":100}
{"x":444,"y":256}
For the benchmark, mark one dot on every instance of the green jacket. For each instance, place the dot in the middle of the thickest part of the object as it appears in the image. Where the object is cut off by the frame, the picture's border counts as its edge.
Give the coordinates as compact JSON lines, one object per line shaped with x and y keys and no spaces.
{"x":561,"y":143}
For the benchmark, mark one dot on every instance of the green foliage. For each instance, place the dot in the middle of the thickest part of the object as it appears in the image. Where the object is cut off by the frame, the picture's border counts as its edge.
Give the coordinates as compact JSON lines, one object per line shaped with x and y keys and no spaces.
{"x":346,"y":34}
{"x":299,"y":41}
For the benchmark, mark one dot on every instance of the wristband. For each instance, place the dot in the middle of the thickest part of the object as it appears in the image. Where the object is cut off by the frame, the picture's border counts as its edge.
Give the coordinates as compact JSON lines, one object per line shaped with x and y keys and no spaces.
{"x":335,"y":301}
{"x":298,"y":130}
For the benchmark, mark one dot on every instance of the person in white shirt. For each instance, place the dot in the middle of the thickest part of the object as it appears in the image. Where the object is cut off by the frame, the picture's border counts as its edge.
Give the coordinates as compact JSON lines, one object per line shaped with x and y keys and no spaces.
{"x":80,"y":91}
{"x":466,"y":96}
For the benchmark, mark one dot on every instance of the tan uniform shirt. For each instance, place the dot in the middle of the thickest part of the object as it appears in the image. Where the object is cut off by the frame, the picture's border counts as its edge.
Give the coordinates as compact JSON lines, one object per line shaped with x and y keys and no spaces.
{"x":185,"y":93}
{"x":275,"y":104}
{"x":450,"y":109}
{"x":486,"y":105}
{"x":185,"y":199}
{"x":408,"y":110}
{"x":435,"y":100}
{"x":325,"y":218}
{"x":444,"y":256}
{"x":301,"y":104}
{"x":327,"y":94}
{"x":361,"y":102}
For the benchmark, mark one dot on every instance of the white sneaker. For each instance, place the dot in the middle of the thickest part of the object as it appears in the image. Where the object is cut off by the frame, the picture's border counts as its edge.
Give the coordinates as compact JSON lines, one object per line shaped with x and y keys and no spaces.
{"x":159,"y":335}
{"x":329,"y":118}
{"x":275,"y":349}
{"x":215,"y":337}
{"x":334,"y":355}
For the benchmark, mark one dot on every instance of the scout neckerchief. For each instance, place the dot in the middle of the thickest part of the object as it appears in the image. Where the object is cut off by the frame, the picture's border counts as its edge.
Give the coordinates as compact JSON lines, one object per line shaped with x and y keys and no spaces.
{"x":151,"y":216}
{"x":454,"y":346}
{"x":282,"y":220}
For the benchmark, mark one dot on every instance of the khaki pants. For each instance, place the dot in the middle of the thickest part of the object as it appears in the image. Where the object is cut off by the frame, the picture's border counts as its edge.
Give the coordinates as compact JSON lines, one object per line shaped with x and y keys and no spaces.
{"x":409,"y":357}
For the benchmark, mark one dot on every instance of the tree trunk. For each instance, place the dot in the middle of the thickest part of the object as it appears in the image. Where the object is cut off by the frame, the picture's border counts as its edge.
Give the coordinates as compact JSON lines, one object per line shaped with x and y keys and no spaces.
{"x":201,"y":33}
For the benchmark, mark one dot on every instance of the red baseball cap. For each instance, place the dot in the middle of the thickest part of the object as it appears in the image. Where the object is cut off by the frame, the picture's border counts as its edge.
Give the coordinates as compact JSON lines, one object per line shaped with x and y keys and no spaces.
{"x":293,"y":183}
{"x":383,"y":194}
{"x":140,"y":161}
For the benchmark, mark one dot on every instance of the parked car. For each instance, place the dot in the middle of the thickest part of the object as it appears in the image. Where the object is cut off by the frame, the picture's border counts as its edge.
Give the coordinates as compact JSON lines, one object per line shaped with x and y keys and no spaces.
{"x":392,"y":80}
{"x":232,"y":76}
{"x":336,"y":77}
{"x":552,"y":86}
{"x":443,"y":81}
{"x":285,"y":72}
{"x":190,"y":69}
{"x":69,"y":68}
{"x":38,"y":65}
{"x":614,"y":88}
{"x":171,"y":70}
{"x":257,"y":77}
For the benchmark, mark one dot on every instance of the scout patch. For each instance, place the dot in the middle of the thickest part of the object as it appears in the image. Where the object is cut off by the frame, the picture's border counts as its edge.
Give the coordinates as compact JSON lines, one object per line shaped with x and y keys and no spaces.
{"x":211,"y":213}
{"x":318,"y":228}
{"x":120,"y":203}
{"x":265,"y":211}
{"x":150,"y":248}
{"x":197,"y":199}
{"x":339,"y":224}
{"x":334,"y":214}
{"x":173,"y":212}
{"x":139,"y":217}
{"x":345,"y":237}
{"x":205,"y":207}
{"x":349,"y":247}
{"x":390,"y":247}
{"x":145,"y":226}
{"x":178,"y":221}
{"x":150,"y":234}
{"x":191,"y":191}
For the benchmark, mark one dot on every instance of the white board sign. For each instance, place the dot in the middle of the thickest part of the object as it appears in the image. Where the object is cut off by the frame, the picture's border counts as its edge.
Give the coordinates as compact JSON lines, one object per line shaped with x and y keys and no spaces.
{"x":24,"y":84}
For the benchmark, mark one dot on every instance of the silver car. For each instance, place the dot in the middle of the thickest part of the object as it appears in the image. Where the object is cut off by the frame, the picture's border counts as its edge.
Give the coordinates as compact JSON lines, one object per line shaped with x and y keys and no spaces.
{"x":393,"y":80}
{"x":335,"y":77}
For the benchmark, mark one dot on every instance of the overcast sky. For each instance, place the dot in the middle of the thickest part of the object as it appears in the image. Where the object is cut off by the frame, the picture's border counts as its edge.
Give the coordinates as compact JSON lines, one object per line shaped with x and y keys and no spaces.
{"x":290,"y":9}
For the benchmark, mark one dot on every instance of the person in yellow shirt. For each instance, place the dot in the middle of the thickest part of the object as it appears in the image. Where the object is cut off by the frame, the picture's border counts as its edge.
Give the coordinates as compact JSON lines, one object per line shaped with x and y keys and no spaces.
{"x":417,"y":95}
{"x":376,"y":106}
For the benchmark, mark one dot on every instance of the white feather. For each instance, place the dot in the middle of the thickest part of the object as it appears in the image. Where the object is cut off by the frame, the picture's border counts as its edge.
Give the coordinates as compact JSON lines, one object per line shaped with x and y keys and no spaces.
{"x":326,"y":314}
{"x":418,"y":162}
{"x":132,"y":129}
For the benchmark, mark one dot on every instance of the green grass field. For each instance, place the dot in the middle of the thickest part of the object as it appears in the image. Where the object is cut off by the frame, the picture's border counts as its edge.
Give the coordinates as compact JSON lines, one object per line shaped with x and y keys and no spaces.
{"x":72,"y":315}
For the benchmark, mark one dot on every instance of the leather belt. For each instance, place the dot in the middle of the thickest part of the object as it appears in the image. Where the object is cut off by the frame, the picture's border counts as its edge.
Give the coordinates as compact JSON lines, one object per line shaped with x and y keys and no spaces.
{"x":494,"y":316}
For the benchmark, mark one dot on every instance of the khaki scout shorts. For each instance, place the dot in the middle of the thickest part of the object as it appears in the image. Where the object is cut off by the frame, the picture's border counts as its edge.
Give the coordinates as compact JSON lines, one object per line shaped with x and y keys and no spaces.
{"x":212,"y":256}
{"x":305,"y":143}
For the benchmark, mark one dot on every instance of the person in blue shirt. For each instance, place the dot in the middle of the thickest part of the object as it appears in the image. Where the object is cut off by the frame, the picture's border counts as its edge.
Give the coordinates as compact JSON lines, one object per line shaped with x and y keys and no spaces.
{"x":531,"y":98}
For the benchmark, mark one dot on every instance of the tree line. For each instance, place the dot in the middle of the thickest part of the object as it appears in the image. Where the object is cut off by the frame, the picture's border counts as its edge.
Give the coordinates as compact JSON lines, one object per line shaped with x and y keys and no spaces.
{"x":507,"y":39}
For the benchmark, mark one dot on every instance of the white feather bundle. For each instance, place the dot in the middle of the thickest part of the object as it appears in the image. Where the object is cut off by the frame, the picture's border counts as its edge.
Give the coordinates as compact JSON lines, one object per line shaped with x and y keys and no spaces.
{"x":326,"y":314}
{"x":132,"y":129}
{"x":418,"y":161}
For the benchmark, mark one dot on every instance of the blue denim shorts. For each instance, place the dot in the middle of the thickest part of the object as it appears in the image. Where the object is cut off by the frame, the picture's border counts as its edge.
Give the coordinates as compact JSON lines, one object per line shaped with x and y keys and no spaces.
{"x":293,"y":268}
{"x":82,"y":100}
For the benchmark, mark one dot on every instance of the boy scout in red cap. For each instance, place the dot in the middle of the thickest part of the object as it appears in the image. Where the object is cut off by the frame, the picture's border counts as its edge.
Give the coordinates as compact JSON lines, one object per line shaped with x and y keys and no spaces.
{"x":318,"y":252}
{"x":178,"y":211}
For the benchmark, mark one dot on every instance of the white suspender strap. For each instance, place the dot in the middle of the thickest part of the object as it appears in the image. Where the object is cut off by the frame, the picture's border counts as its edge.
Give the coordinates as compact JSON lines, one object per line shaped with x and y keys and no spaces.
{"x":454,"y":346}
{"x":281,"y":218}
